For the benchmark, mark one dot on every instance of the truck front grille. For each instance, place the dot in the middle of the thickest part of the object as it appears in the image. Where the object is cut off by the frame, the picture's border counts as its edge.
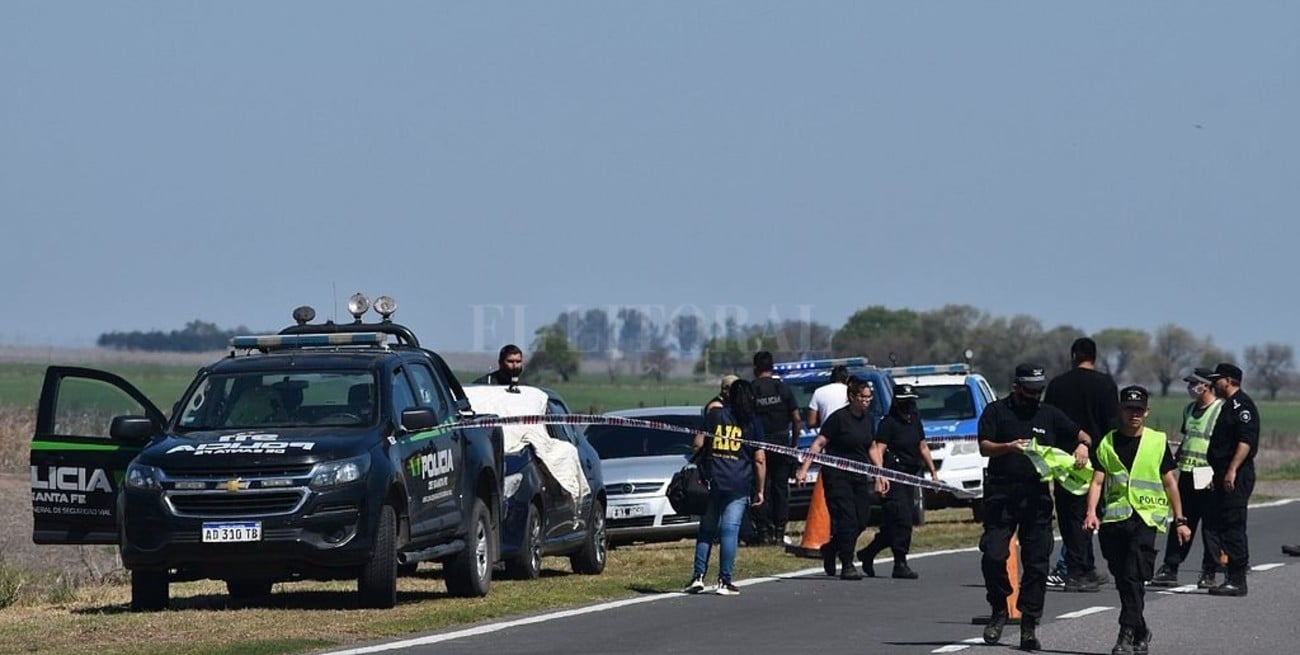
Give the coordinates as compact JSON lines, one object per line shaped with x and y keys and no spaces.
{"x":241,"y":504}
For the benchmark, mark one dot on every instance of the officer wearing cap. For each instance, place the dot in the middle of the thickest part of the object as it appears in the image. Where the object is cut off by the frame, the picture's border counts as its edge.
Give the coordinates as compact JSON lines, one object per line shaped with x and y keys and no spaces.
{"x":1017,"y":502}
{"x":899,"y":446}
{"x":1231,"y":454}
{"x":1134,"y":466}
{"x":1199,"y":418}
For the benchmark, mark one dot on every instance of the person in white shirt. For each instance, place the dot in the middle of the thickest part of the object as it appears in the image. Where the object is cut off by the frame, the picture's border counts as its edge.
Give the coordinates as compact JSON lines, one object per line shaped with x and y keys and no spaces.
{"x":829,"y":397}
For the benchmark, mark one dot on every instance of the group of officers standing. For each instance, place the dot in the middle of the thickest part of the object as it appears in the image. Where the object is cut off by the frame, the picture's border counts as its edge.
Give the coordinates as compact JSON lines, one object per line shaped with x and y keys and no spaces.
{"x":1139,"y":489}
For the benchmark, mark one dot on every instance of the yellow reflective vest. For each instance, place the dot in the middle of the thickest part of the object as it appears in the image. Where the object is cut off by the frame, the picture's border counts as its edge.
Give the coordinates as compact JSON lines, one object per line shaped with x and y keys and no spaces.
{"x":1140,"y":489}
{"x":1197,"y":440}
{"x":1055,"y":464}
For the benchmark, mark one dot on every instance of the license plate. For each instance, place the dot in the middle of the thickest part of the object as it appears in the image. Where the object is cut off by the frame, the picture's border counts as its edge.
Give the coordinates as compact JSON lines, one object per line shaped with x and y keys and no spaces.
{"x":626,"y":511}
{"x":221,"y":533}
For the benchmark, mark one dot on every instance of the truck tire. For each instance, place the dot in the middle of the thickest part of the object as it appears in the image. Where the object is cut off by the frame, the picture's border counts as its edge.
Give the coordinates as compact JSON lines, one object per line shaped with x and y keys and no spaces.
{"x":377,"y":584}
{"x":149,"y":591}
{"x":469,"y":572}
{"x":248,"y":590}
{"x":591,"y":559}
{"x":527,"y":563}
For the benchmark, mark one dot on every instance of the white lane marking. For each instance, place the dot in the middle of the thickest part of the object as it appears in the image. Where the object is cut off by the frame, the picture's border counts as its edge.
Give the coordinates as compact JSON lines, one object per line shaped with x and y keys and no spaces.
{"x":1267,"y":567}
{"x":1085,"y":612}
{"x":1276,"y":503}
{"x":951,"y":648}
{"x":977,"y":640}
{"x":1185,"y":589}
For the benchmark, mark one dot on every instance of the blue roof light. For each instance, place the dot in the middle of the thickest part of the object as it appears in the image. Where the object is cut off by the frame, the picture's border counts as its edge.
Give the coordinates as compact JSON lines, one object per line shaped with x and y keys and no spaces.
{"x":928,"y":369}
{"x":305,"y":340}
{"x":817,"y":364}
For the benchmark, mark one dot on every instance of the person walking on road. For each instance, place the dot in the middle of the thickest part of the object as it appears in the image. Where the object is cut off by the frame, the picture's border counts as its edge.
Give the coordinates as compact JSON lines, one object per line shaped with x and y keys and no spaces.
{"x":734,"y":471}
{"x":779,"y":412}
{"x":1017,"y":502}
{"x":1091,"y":399}
{"x":829,"y":397}
{"x":1199,"y":416}
{"x":899,"y":446}
{"x":846,"y":433}
{"x":1136,"y":470}
{"x":1231,"y":454}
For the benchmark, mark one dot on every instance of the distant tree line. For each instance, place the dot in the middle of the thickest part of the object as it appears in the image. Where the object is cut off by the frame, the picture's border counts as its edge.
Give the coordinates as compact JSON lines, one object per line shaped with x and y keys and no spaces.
{"x":197,"y":336}
{"x":901,"y":336}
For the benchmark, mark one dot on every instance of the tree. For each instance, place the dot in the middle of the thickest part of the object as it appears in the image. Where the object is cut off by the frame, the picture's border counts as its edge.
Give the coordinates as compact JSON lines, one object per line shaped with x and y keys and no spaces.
{"x":1119,"y":349}
{"x":1053,"y":349}
{"x":593,"y":333}
{"x":552,"y":351}
{"x":947,"y":332}
{"x":689,"y":330}
{"x":1173,"y":349}
{"x":658,"y":363}
{"x":878,"y":331}
{"x":721,"y":355}
{"x":1273,"y":364}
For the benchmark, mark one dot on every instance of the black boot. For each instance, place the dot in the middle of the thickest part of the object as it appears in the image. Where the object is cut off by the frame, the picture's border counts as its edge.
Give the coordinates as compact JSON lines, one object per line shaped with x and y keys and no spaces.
{"x":867,"y":557}
{"x":1142,"y":642}
{"x":1233,"y":585}
{"x":1123,"y":645}
{"x":903,"y":571}
{"x":1028,"y":634}
{"x":993,"y":631}
{"x":850,"y":572}
{"x":828,"y":558}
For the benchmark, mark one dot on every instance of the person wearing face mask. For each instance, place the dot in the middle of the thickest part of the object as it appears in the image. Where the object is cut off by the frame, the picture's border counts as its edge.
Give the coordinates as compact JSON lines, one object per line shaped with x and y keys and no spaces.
{"x":1199,"y":417}
{"x":1017,"y":502}
{"x":899,"y":446}
{"x":846,"y":433}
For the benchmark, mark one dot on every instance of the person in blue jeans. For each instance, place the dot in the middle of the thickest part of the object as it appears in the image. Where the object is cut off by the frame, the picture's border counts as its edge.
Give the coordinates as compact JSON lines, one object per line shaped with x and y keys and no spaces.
{"x":734,"y":472}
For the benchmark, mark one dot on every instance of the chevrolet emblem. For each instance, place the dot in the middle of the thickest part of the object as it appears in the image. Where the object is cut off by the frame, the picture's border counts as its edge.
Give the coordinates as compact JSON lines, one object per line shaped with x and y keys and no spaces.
{"x":234,"y":485}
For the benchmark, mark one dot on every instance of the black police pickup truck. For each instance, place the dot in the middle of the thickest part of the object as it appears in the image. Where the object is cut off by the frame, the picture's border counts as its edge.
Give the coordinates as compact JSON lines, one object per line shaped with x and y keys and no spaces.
{"x":322,"y":452}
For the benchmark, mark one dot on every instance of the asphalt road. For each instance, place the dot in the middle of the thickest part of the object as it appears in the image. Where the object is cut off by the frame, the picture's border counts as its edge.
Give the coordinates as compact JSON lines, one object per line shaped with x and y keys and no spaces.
{"x":809,"y":612}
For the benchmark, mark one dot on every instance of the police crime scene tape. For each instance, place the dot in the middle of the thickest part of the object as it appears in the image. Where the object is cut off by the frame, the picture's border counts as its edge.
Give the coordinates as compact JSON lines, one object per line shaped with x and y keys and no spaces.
{"x":619,"y":421}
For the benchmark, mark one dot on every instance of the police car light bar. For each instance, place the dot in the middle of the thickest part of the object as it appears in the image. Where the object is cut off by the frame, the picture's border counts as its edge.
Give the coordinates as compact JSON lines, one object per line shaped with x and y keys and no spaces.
{"x":304,"y":340}
{"x":817,"y":364}
{"x":928,"y":369}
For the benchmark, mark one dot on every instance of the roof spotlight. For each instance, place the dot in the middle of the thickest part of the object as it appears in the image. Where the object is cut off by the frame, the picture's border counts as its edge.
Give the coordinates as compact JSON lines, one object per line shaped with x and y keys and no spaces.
{"x":385,"y":305}
{"x":304,"y":315}
{"x":357,"y":305}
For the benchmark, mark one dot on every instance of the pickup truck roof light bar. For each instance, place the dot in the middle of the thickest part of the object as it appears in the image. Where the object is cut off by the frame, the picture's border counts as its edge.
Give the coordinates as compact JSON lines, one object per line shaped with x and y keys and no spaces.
{"x":818,"y":364}
{"x":281,"y":341}
{"x":928,"y":369}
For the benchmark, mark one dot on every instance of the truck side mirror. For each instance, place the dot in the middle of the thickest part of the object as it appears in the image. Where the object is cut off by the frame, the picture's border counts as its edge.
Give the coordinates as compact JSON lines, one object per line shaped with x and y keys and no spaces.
{"x":132,"y":428}
{"x":416,"y":419}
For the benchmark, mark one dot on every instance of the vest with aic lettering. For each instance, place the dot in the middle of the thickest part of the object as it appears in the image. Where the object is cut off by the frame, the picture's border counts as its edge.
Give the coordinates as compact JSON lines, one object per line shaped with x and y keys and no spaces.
{"x":1140,"y":489}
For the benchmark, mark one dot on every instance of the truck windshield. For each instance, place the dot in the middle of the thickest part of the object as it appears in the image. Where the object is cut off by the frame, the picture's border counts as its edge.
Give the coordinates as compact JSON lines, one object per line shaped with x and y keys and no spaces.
{"x":278,"y":399}
{"x":616,"y":441}
{"x":949,"y":402}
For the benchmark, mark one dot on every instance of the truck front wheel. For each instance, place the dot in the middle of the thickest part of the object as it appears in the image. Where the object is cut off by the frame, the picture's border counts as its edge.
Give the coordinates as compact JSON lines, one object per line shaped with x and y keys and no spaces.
{"x":469,"y":572}
{"x":377,"y":584}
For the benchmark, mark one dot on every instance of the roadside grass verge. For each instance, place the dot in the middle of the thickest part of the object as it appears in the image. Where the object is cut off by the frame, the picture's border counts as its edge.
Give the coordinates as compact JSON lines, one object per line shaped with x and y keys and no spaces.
{"x":309,"y":615}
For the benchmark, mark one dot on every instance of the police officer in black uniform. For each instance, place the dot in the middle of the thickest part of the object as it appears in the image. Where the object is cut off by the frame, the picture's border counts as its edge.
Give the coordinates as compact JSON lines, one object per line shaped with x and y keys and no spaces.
{"x":779,"y":412}
{"x":1233,"y":444}
{"x":1017,"y":502}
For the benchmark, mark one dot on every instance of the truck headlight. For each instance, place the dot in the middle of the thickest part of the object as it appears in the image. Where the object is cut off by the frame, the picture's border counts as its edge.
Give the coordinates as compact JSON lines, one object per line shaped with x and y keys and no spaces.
{"x":139,"y":476}
{"x":343,"y":471}
{"x":511,"y":484}
{"x":971,"y":447}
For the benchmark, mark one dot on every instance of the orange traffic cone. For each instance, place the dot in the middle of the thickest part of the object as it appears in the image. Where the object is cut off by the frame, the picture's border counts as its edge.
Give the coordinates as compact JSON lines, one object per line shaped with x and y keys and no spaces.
{"x":816,"y":528}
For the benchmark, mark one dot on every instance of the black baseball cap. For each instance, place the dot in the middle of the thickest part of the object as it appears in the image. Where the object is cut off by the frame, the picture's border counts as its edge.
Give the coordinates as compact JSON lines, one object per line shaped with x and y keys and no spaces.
{"x":1134,"y":396}
{"x":905,"y":391}
{"x":1199,"y":375}
{"x":1226,"y":370}
{"x":1031,"y":376}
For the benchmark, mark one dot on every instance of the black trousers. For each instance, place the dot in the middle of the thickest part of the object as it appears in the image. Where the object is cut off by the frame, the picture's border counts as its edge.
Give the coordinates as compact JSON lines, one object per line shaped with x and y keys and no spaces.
{"x":898,"y":514}
{"x":1129,"y":547}
{"x":770,"y":517}
{"x":1225,"y":520}
{"x":1024,"y":510}
{"x":1194,"y":503}
{"x":1077,"y":542}
{"x":847,"y":497}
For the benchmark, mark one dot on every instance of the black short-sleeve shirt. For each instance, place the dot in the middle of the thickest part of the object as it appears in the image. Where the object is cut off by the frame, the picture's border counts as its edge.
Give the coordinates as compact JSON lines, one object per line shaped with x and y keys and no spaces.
{"x":1126,"y":448}
{"x":848,"y":436}
{"x":774,"y":403}
{"x":1007,"y":420}
{"x":1238,"y":422}
{"x":902,"y":441}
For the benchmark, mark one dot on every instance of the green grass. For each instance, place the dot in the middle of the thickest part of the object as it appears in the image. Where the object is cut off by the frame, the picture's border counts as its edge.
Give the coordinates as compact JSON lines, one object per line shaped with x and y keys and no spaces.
{"x":1287,"y":471}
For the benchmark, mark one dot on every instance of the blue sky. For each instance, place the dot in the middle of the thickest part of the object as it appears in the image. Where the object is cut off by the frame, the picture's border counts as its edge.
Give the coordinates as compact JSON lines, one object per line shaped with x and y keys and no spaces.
{"x":1114,"y":164}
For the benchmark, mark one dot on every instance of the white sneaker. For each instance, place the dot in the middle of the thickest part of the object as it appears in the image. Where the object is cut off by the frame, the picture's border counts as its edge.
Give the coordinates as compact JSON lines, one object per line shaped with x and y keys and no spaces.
{"x":727,"y":589}
{"x":695,"y":587}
